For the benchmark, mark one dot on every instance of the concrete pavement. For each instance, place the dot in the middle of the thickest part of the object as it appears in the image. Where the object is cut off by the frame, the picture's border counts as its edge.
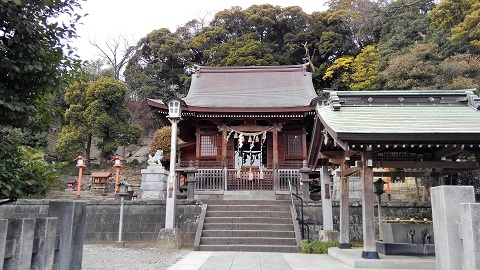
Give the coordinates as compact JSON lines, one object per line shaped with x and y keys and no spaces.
{"x":338,"y":260}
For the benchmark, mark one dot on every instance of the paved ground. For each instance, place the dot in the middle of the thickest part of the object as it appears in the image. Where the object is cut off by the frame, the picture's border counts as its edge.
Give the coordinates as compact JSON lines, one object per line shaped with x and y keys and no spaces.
{"x":228,"y":260}
{"x":148,"y":256}
{"x":139,"y":256}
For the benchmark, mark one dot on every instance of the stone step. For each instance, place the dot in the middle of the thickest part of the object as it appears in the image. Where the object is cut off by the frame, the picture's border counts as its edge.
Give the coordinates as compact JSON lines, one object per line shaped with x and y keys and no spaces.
{"x":255,"y":220}
{"x":248,"y":226}
{"x":259,"y":214}
{"x":248,"y":233}
{"x":249,"y":195}
{"x":247,"y":241}
{"x":250,"y":248}
{"x":285,"y":208}
{"x":246,"y":202}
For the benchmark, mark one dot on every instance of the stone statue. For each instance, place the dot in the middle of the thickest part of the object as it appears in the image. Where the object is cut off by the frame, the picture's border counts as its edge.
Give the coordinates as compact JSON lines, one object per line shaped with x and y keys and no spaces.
{"x":156,"y":159}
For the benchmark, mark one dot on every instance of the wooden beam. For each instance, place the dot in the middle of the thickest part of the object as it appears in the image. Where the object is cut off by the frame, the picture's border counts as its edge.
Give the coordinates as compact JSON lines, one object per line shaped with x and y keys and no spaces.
{"x":351,"y":171}
{"x":464,"y":165}
{"x":400,"y":174}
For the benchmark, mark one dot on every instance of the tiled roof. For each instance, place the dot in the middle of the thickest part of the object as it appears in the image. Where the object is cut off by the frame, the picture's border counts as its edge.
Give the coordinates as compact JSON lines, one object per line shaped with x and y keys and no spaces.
{"x":415,"y":116}
{"x":251,"y":87}
{"x":101,"y":174}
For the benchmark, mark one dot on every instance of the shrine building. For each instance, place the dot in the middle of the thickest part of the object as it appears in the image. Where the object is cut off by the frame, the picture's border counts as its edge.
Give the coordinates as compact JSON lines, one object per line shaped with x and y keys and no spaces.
{"x":245,"y":128}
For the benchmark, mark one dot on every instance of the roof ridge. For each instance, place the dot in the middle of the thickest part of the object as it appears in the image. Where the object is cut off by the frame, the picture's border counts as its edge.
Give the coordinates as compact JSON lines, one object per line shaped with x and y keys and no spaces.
{"x":241,"y":69}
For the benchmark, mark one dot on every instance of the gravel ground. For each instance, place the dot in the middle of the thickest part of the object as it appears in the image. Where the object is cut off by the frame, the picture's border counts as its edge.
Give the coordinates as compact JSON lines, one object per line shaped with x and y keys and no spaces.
{"x":139,"y":256}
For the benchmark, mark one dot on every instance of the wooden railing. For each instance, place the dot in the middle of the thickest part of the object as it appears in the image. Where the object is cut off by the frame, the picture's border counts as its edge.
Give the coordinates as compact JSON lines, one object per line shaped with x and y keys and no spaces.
{"x":214,"y":179}
{"x":243,"y":180}
{"x":210,"y":179}
{"x":283,"y":175}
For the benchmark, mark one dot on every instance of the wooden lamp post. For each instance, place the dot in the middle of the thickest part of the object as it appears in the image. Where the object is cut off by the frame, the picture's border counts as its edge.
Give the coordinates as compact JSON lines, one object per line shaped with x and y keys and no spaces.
{"x":117,"y":163}
{"x":80,"y":164}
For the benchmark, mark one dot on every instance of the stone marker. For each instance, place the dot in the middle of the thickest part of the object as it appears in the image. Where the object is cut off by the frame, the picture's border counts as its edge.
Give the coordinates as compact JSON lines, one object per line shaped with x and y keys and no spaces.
{"x":446,"y":210}
{"x":470,"y":216}
{"x":71,"y":228}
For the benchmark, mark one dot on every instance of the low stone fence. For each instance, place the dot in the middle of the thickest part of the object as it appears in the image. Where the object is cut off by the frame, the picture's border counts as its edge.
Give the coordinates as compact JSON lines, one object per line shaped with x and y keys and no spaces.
{"x":54,"y":241}
{"x":142,"y":219}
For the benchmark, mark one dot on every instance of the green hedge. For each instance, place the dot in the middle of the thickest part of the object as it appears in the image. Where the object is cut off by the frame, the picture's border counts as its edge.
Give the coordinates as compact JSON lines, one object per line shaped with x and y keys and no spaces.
{"x":317,"y":247}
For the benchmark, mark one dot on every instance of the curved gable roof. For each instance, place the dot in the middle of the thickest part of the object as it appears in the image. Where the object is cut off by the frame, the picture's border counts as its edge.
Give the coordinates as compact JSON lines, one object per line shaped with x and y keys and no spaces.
{"x":251,"y":87}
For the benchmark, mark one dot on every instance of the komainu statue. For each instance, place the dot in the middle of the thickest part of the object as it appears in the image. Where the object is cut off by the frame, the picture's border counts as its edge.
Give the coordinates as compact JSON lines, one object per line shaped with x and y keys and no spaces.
{"x":156,"y":159}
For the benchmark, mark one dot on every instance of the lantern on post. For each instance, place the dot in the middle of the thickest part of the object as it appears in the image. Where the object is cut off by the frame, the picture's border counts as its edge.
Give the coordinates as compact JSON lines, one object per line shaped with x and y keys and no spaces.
{"x":378,"y":189}
{"x":80,"y":163}
{"x":174,"y":116}
{"x":117,"y":163}
{"x":378,"y":185}
{"x":122,"y":192}
{"x":174,"y":108}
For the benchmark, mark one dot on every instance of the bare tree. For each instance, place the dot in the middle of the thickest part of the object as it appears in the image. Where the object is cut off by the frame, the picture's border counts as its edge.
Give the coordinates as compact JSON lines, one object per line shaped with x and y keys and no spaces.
{"x":116,"y":52}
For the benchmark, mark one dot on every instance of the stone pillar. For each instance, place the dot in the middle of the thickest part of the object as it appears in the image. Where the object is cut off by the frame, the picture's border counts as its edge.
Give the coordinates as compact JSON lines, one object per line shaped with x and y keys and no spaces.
{"x":327,"y":233}
{"x":3,"y":240}
{"x":344,"y":242}
{"x":154,"y":183}
{"x":71,"y":217}
{"x":46,"y":232}
{"x":368,"y":215}
{"x":326,"y":199}
{"x":470,"y":216}
{"x":446,"y":209}
{"x":190,"y":171}
{"x":305,"y":181}
{"x":20,"y":234}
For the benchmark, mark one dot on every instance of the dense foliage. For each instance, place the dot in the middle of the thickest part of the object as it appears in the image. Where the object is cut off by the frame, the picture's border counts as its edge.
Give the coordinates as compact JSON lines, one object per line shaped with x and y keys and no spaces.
{"x":35,"y":58}
{"x":36,"y":62}
{"x":354,"y":45}
{"x":96,"y":109}
{"x":24,"y":171}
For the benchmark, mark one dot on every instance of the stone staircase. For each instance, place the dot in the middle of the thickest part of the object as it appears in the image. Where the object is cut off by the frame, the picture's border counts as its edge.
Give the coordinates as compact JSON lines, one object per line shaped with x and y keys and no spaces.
{"x":247,"y":225}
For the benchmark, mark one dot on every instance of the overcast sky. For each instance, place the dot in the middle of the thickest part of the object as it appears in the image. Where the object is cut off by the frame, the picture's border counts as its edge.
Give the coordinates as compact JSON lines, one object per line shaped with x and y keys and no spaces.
{"x":136,"y":18}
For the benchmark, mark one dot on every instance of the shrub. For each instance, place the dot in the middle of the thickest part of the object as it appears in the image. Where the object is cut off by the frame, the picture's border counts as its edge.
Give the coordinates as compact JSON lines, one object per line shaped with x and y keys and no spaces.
{"x":161,"y":141}
{"x":317,"y":247}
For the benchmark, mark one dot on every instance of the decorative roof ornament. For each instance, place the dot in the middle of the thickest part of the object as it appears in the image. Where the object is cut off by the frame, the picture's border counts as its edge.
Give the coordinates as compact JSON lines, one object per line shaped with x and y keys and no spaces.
{"x":473,"y":100}
{"x":334,"y":101}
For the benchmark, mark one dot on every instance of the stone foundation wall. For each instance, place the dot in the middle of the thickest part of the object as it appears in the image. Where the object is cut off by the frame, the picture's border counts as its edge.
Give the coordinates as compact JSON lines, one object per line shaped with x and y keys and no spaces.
{"x":143,"y":219}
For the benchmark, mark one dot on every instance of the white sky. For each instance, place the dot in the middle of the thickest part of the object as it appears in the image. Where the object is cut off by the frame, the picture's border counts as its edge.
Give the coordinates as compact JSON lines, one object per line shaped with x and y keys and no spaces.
{"x":134,"y":19}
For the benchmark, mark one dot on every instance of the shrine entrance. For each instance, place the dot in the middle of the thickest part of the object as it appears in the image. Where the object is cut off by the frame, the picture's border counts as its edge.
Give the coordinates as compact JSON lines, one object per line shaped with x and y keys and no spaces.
{"x":250,"y":161}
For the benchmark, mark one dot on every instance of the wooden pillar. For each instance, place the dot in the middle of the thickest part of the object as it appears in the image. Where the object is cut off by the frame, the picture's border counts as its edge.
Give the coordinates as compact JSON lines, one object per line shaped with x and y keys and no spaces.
{"x":224,"y":146}
{"x":275,"y":156}
{"x":275,"y":146}
{"x":368,"y":216}
{"x":344,"y":242}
